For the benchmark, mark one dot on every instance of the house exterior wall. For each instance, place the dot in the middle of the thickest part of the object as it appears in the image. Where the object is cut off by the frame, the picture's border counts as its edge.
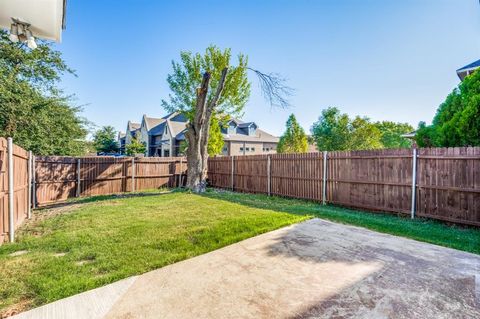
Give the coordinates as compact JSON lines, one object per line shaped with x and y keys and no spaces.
{"x":128,"y":137}
{"x":144,"y":137}
{"x":167,"y":148}
{"x":251,"y":148}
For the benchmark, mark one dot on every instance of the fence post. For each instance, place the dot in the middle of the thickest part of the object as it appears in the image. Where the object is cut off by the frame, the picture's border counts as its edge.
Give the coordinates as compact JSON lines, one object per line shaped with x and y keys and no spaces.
{"x":78,"y":178}
{"x":30,"y":170}
{"x":232,"y":174}
{"x":180,"y":176}
{"x":133,"y":174}
{"x":324,"y":179}
{"x":414,"y":181}
{"x":269,"y":175}
{"x":11,"y":192}
{"x":34,"y":184}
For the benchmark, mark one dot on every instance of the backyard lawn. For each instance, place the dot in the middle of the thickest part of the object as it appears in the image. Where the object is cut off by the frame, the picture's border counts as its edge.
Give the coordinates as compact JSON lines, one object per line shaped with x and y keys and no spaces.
{"x":91,"y":242}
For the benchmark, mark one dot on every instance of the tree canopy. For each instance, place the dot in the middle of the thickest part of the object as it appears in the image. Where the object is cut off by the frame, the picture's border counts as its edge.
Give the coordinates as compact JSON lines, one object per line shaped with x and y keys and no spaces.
{"x":457,"y":121}
{"x":105,"y":141}
{"x":391,"y":134}
{"x":215,"y":140}
{"x":294,"y":140}
{"x":187,"y":77}
{"x":33,"y":110}
{"x":135,"y":147}
{"x":335,"y":131}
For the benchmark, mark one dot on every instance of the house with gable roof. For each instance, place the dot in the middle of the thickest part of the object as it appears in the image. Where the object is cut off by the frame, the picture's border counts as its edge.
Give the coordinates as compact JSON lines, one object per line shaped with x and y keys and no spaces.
{"x":164,"y":136}
{"x":468,"y":69}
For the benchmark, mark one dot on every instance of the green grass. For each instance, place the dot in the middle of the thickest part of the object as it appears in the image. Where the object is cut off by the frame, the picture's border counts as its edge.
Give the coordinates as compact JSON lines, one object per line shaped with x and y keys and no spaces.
{"x":109,"y":238}
{"x":430,"y":231}
{"x":102,"y":239}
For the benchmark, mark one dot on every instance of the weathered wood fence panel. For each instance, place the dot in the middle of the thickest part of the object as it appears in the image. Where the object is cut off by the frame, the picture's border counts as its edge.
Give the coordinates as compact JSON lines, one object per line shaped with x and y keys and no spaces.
{"x":59,"y":178}
{"x":376,"y":180}
{"x":250,"y":174}
{"x":20,"y":190}
{"x":297,"y":175}
{"x":220,"y":171}
{"x":448,"y":184}
{"x":447,"y":180}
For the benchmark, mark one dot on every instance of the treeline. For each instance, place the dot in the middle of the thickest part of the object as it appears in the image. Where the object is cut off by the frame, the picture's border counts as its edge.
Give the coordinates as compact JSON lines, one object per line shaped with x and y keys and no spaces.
{"x":336,"y":131}
{"x":33,"y":110}
{"x":457,"y":121}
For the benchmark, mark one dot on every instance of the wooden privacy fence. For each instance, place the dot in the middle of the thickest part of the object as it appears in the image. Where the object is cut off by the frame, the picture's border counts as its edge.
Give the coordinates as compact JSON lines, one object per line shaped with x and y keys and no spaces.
{"x":15,"y":173}
{"x":439,"y":183}
{"x":59,"y":178}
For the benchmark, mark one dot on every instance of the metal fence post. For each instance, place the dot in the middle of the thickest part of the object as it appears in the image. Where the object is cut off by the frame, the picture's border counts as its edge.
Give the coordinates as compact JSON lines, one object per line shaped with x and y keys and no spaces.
{"x":133,"y":174}
{"x":29,"y":192}
{"x":324,"y":181}
{"x":11,"y":192}
{"x":34,"y":184}
{"x":78,"y":179}
{"x":414,"y":181}
{"x":232,"y":174}
{"x":269,"y":176}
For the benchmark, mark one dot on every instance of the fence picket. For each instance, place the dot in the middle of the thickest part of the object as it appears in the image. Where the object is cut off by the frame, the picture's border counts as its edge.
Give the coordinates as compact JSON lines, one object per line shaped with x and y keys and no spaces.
{"x":446,"y":185}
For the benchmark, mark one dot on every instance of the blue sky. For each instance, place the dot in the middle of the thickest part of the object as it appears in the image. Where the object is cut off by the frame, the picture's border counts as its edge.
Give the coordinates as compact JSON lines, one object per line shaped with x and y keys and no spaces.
{"x":388,"y":60}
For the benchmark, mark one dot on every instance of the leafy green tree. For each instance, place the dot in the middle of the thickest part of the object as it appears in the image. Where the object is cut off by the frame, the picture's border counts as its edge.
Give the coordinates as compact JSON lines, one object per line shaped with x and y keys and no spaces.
{"x":33,"y":110}
{"x":332,"y":130}
{"x":364,"y":135}
{"x":335,"y":131}
{"x":105,"y":140}
{"x":391,"y":134}
{"x":457,"y":121}
{"x":206,"y":86}
{"x":294,"y":140}
{"x":135,"y":147}
{"x":215,"y":139}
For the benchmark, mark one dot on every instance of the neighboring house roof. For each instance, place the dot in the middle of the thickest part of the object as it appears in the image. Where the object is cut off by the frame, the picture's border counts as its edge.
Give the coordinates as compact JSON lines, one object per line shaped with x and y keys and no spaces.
{"x":158,"y":129}
{"x":260,"y":136}
{"x":176,"y":127}
{"x":248,"y":124}
{"x":409,"y":135}
{"x":177,"y":124}
{"x":151,"y":122}
{"x":133,"y":126}
{"x":467,"y":69}
{"x":241,"y":135}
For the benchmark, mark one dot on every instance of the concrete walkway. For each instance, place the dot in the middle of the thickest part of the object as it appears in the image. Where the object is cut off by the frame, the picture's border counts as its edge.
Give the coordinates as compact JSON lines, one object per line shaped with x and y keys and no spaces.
{"x":316,"y":269}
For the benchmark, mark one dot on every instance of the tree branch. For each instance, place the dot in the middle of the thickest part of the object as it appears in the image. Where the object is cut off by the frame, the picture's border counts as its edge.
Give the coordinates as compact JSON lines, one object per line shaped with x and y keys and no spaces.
{"x":274,"y":88}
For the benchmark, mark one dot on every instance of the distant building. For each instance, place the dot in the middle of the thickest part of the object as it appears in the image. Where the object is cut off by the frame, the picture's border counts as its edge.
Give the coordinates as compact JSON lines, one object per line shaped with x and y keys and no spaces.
{"x":245,"y":138}
{"x":468,"y":69}
{"x":164,"y":136}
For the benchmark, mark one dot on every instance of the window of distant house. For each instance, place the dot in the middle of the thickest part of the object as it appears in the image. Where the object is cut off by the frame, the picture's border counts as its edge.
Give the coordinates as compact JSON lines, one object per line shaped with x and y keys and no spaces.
{"x":225,"y":149}
{"x":248,"y":149}
{"x":166,"y":153}
{"x":241,"y":149}
{"x":253,"y":149}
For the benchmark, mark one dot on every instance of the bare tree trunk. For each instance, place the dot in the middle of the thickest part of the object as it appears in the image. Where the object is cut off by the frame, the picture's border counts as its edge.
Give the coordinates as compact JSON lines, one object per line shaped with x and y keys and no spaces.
{"x":197,"y":134}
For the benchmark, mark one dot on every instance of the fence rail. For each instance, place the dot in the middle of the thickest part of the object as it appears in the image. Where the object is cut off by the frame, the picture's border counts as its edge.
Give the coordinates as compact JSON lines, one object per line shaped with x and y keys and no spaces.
{"x":59,"y":178}
{"x":441,"y":183}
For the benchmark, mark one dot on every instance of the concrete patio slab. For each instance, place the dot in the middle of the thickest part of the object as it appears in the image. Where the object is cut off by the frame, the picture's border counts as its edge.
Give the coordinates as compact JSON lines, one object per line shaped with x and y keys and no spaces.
{"x":315,"y":269}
